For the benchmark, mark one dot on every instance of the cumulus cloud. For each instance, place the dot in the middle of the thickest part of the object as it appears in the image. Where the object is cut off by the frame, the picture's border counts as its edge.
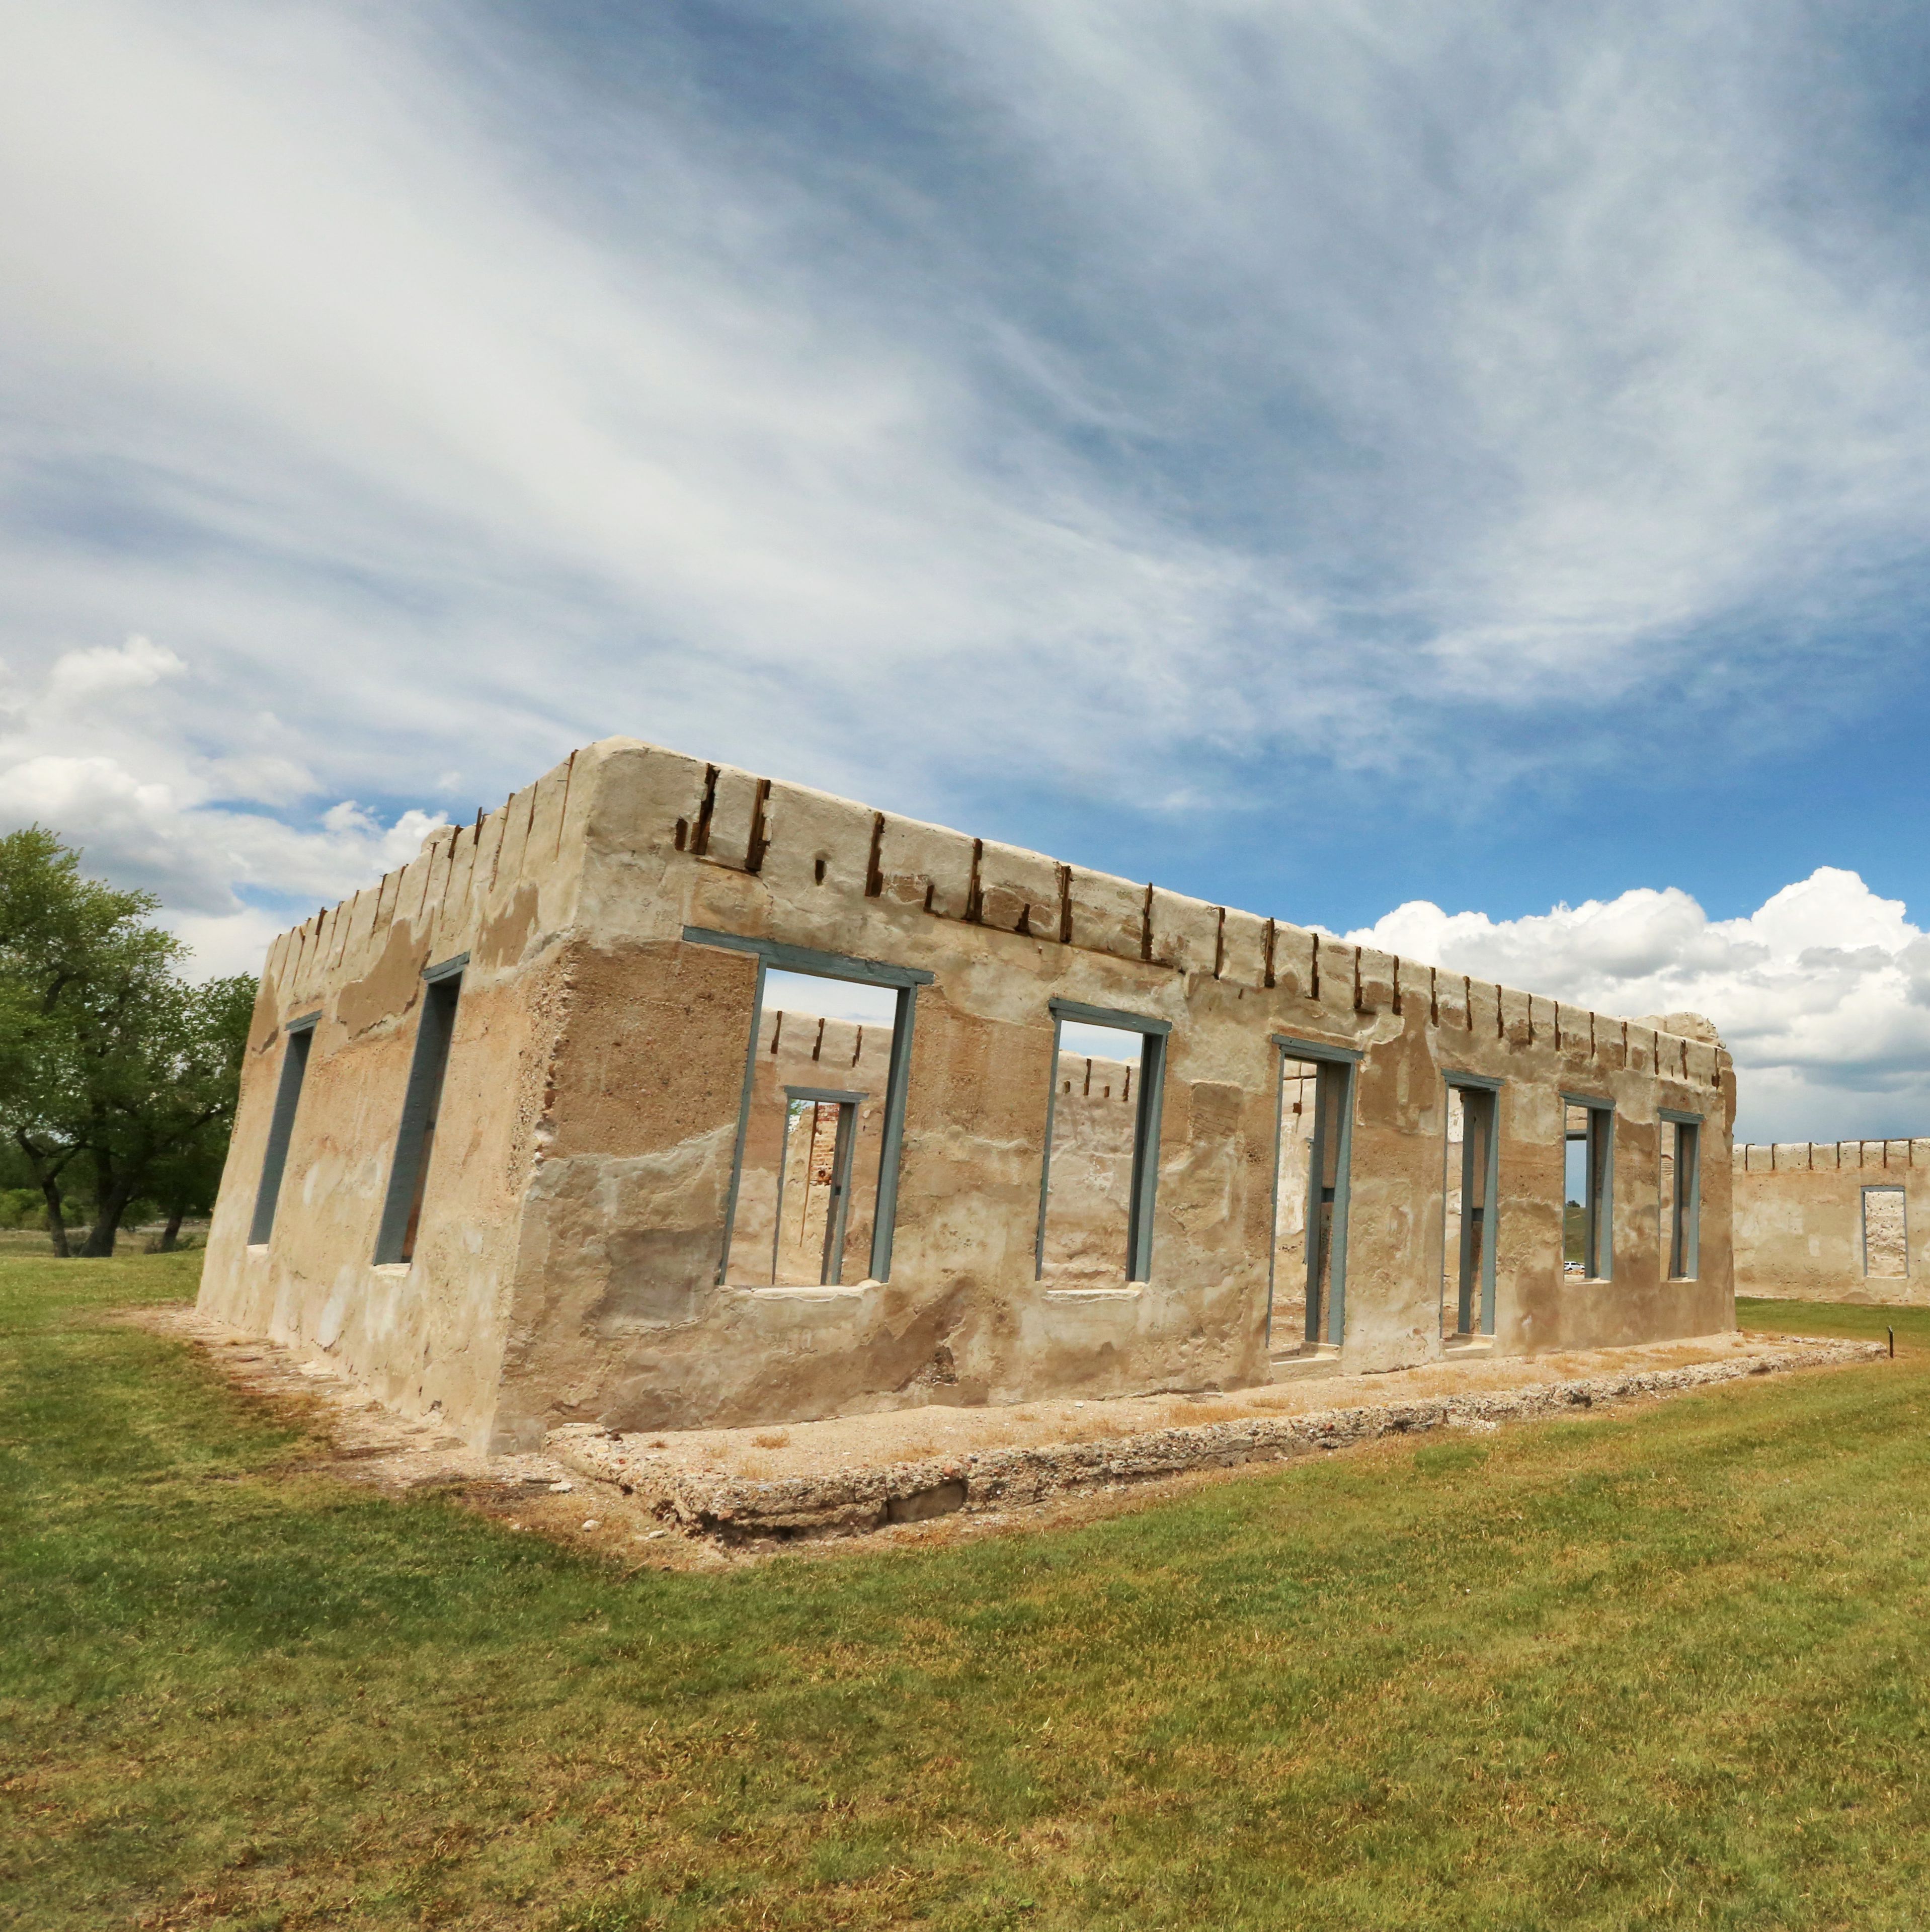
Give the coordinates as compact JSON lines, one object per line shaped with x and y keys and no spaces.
{"x":148,"y":808}
{"x":1822,"y":993}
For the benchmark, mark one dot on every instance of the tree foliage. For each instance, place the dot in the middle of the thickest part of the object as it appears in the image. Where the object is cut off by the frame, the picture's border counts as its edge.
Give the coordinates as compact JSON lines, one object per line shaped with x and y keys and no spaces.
{"x":114,"y":1071}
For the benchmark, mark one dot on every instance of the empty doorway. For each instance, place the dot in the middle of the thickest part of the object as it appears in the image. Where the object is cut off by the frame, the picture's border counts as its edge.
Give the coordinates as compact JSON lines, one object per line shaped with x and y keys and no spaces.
{"x":814,"y":1186}
{"x":1681,"y":1181}
{"x":1470,"y":1185}
{"x":1587,"y":1216}
{"x":1307,"y":1305}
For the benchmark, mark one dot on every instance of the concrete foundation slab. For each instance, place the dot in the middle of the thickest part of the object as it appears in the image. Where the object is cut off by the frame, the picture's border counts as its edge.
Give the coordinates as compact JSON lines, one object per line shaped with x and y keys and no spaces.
{"x":861,"y":1473}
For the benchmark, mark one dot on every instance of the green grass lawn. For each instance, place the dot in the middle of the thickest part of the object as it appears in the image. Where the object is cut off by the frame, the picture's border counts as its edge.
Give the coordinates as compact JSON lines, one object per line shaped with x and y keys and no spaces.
{"x":1660,"y":1668}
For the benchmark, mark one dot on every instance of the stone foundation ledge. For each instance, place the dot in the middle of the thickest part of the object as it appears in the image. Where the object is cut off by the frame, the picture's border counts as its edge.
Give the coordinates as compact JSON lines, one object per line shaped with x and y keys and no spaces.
{"x":848,"y":1501}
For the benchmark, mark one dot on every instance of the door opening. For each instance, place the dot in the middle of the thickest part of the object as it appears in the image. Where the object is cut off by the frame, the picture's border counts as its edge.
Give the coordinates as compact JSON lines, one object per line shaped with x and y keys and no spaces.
{"x":1588,"y":1219}
{"x":1467,"y":1250}
{"x":814,"y":1187}
{"x":1307,"y":1312}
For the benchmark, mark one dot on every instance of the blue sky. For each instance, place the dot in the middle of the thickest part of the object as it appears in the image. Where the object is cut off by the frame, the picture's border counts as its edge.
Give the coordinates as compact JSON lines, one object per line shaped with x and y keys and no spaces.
{"x":1456,"y":473}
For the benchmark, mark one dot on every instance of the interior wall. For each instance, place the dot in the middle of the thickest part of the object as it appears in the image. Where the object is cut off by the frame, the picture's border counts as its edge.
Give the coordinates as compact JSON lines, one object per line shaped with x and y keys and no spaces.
{"x":801,"y":1049}
{"x":1095,"y":1117}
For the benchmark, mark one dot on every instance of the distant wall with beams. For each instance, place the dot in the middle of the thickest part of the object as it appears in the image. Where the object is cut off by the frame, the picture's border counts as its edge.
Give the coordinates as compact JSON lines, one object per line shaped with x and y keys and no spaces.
{"x":1833,"y":1220}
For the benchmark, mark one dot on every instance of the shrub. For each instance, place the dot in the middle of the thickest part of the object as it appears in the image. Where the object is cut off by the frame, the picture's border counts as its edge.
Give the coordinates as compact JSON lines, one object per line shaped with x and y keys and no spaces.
{"x":20,"y":1206}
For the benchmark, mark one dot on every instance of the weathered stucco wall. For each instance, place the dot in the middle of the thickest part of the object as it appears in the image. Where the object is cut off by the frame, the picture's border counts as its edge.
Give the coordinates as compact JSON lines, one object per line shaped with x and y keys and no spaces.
{"x":1799,"y":1227}
{"x":1002,"y":932}
{"x":428,"y":1337}
{"x":581,"y":1254}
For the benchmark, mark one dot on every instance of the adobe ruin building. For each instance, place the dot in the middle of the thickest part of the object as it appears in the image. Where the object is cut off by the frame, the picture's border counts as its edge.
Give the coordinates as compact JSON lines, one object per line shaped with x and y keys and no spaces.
{"x":522,"y":1138}
{"x":1833,"y":1221}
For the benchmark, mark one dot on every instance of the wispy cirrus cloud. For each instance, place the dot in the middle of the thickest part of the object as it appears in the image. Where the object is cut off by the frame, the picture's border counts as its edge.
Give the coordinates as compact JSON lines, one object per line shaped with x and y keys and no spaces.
{"x":1270,"y":377}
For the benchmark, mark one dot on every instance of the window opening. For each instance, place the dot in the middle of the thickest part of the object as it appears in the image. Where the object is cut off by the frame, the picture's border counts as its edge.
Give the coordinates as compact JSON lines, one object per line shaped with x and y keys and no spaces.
{"x":421,"y":1109}
{"x":297,"y":1039}
{"x":1469,"y":1192}
{"x":1885,"y":1254}
{"x":1307,"y":1295}
{"x":807,"y":1208}
{"x":1681,"y":1193}
{"x":1587,"y":1204}
{"x":1101,"y":1165}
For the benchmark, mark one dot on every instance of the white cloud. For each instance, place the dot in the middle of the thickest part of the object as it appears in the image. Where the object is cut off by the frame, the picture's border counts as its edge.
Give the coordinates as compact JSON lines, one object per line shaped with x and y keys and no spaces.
{"x":1543,"y":272}
{"x":1822,"y":993}
{"x":280,"y":277}
{"x":348,"y":817}
{"x":147,"y":808}
{"x":79,"y":676}
{"x":227,"y":942}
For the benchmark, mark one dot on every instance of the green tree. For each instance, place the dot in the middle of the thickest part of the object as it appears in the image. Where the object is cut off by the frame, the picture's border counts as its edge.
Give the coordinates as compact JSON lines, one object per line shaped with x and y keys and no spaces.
{"x":112,"y":1066}
{"x":168,"y":1145}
